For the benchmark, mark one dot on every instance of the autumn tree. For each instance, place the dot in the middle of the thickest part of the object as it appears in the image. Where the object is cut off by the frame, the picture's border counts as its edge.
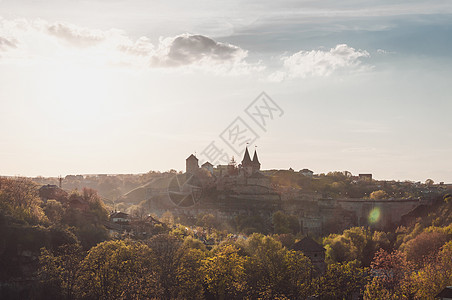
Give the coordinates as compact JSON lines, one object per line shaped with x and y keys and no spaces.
{"x":342,"y":280}
{"x":19,"y":198}
{"x":119,"y":269}
{"x":54,"y":211}
{"x":391,"y":276}
{"x":435,"y":274}
{"x":424,"y":245}
{"x":62,"y":269}
{"x":356,"y":243}
{"x":378,"y":195}
{"x":189,"y":283}
{"x":224,"y":273}
{"x":167,"y":248}
{"x":275,"y":272}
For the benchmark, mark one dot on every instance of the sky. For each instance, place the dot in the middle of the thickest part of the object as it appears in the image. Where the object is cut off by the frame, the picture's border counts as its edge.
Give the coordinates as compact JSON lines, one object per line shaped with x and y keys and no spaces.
{"x":89,"y":87}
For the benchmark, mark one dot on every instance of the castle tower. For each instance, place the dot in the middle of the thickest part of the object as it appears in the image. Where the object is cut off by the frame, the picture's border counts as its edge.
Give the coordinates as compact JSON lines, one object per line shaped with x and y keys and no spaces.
{"x":247,"y":164}
{"x":256,"y":163}
{"x":191,"y":164}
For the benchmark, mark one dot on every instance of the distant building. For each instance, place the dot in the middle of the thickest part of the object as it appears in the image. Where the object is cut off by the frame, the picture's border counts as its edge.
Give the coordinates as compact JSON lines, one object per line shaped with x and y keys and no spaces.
{"x":249,"y":166}
{"x":208,"y":166}
{"x":365,"y":177}
{"x":191,"y":164}
{"x":307,"y":173}
{"x":120,"y":218}
{"x":314,"y":251}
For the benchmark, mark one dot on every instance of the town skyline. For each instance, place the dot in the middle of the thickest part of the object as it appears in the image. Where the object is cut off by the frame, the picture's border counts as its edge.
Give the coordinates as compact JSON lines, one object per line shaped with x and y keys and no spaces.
{"x":364,"y":86}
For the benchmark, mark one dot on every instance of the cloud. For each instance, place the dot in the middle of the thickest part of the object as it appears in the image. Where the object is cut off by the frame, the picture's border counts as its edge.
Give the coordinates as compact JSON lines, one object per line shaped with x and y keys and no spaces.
{"x":189,"y":49}
{"x":7,"y":43}
{"x":320,"y":63}
{"x":142,"y":47}
{"x":40,"y":40}
{"x":75,"y":35}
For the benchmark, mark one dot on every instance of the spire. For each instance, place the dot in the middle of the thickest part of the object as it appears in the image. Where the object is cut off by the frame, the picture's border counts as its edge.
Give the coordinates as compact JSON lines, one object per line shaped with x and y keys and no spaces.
{"x":246,"y":158}
{"x":255,"y":159}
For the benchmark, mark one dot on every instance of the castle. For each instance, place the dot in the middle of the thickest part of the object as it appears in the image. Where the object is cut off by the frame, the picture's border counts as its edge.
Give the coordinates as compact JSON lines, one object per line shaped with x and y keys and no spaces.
{"x":247,"y":168}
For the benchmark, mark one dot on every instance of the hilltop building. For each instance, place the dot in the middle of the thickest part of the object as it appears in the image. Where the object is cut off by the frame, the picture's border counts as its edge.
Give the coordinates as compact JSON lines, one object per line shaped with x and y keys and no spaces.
{"x":249,"y":166}
{"x":307,"y":173}
{"x":191,"y":164}
{"x":365,"y":177}
{"x":208,"y":166}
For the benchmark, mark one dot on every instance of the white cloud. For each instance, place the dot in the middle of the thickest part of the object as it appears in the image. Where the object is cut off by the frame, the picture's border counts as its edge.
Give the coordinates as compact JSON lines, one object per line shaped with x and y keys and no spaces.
{"x":75,"y":35}
{"x":320,"y":63}
{"x":40,"y":40}
{"x":142,"y":47}
{"x":6,"y":43}
{"x":189,"y":49}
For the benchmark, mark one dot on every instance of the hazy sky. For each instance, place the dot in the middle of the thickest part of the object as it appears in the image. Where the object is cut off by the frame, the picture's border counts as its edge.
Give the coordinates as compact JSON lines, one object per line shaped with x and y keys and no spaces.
{"x":115,"y":86}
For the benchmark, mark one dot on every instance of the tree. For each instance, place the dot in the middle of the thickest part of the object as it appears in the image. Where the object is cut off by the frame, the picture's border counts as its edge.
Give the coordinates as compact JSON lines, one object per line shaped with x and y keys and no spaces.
{"x":167,"y":248}
{"x":275,"y":272}
{"x":435,"y":275}
{"x":356,"y":243}
{"x":19,"y":198}
{"x":54,"y":211}
{"x":63,"y":269}
{"x":119,"y":269}
{"x":283,"y":223}
{"x":429,"y":182}
{"x":189,"y":284}
{"x":224,"y":273}
{"x":378,"y":195}
{"x":391,"y":276}
{"x":341,"y":281}
{"x":424,"y":245}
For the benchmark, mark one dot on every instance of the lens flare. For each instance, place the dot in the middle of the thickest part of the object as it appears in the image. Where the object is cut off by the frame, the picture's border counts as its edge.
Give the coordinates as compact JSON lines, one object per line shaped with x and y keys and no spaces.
{"x":374,"y":215}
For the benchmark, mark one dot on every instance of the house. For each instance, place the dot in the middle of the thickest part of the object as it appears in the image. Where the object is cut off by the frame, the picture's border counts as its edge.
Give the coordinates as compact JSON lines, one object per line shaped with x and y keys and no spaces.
{"x":445,"y":294}
{"x":365,"y":177}
{"x":150,"y":219}
{"x":120,"y":218}
{"x":314,"y":251}
{"x":208,"y":166}
{"x":307,"y":173}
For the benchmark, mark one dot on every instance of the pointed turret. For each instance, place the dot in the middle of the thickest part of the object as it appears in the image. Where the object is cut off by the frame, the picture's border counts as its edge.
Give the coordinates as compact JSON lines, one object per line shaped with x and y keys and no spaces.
{"x":256,"y":163}
{"x":255,"y":159}
{"x":246,"y":158}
